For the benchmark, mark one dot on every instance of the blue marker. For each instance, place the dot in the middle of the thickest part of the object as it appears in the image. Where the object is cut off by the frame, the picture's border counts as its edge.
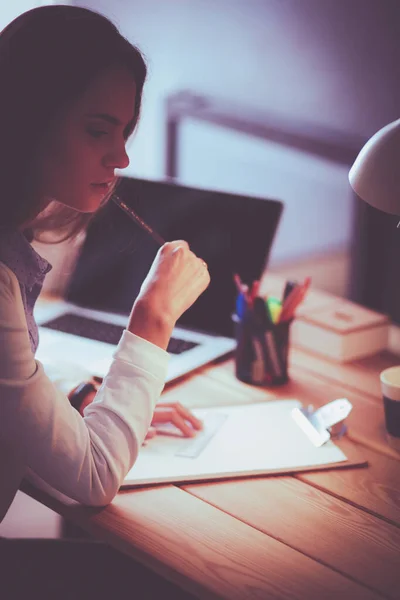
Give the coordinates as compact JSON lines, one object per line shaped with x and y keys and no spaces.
{"x":241,"y":305}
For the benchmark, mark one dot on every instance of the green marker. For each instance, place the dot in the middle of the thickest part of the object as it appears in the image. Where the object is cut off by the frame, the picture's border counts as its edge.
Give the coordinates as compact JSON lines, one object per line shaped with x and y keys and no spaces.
{"x":274,"y":306}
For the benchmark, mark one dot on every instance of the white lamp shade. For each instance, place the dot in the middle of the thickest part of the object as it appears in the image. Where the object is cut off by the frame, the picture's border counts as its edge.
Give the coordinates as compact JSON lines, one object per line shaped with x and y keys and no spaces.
{"x":375,"y":174}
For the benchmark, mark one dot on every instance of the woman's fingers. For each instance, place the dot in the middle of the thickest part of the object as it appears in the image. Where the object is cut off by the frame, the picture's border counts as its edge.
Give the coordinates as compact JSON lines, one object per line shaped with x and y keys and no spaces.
{"x":179,"y":416}
{"x":185,"y":413}
{"x":152,"y":431}
{"x":181,"y":424}
{"x":175,"y":280}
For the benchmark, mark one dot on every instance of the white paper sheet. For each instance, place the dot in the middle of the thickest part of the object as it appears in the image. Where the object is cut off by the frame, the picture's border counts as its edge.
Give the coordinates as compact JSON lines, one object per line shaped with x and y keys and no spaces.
{"x":251,"y":439}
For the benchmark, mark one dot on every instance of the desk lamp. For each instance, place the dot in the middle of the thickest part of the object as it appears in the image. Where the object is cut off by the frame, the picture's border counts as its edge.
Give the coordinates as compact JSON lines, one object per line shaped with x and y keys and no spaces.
{"x":375,"y":174}
{"x":375,"y":177}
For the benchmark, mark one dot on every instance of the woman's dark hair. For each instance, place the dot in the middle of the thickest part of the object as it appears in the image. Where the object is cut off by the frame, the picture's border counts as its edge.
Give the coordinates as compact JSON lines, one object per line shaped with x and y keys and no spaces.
{"x":48,"y":56}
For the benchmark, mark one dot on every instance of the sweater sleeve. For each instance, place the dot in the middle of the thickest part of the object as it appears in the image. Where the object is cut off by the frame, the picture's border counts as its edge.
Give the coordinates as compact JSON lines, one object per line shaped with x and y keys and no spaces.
{"x":85,"y":458}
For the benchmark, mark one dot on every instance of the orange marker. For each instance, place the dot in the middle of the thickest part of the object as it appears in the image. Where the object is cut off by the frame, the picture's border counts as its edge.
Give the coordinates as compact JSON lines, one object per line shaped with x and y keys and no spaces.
{"x":295,"y":298}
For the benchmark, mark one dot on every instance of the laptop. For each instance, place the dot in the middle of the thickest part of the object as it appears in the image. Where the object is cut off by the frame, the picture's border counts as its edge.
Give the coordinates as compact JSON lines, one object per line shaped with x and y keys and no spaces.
{"x":232,"y":233}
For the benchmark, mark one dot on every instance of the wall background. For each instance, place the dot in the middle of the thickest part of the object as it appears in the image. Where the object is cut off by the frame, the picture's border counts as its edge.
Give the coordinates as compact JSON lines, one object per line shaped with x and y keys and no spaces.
{"x":331,"y":63}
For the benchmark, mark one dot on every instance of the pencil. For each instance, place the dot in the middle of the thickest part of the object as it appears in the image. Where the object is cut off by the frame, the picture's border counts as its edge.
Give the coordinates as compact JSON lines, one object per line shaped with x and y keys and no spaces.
{"x":130,"y":212}
{"x":238,"y":283}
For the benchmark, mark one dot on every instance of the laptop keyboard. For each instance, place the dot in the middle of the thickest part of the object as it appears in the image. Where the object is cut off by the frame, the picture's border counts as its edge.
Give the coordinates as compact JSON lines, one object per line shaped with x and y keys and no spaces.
{"x":101,"y":331}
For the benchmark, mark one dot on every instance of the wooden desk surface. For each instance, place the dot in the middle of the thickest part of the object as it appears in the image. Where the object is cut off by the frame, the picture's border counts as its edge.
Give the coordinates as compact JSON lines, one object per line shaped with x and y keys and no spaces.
{"x":328,"y":534}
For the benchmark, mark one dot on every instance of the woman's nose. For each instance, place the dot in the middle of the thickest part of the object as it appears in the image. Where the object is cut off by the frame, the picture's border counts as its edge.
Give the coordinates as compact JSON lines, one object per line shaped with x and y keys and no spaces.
{"x":118,"y":159}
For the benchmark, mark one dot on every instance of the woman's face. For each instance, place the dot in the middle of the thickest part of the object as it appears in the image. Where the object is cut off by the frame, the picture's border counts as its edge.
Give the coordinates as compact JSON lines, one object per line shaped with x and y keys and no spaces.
{"x":83,"y":149}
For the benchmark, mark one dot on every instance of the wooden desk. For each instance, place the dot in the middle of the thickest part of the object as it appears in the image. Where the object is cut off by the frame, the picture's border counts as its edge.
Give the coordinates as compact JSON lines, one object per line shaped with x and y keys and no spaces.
{"x":329,"y":534}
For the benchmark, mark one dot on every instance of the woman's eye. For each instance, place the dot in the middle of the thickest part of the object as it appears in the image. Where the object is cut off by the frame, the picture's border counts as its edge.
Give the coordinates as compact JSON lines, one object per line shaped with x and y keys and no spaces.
{"x":96,"y":134}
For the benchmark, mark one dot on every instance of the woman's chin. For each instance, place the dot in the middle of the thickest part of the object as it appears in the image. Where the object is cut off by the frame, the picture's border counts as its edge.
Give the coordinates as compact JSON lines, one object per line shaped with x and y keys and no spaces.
{"x":84,"y":203}
{"x":89,"y":204}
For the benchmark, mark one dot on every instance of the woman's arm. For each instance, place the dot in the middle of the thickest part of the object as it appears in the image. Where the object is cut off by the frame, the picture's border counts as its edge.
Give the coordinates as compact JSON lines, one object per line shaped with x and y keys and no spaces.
{"x":87,"y":459}
{"x":84,"y":458}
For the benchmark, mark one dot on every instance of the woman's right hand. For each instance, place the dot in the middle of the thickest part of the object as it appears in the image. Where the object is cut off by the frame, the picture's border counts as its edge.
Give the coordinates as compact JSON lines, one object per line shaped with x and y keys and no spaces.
{"x":176,"y":279}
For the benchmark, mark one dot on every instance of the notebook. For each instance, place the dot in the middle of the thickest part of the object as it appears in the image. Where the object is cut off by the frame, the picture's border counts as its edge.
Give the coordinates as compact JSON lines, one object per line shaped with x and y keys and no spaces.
{"x":232,"y":233}
{"x":236,"y":441}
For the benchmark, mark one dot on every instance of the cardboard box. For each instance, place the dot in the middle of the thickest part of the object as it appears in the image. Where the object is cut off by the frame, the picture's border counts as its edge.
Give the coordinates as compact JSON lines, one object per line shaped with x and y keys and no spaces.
{"x":341,"y":330}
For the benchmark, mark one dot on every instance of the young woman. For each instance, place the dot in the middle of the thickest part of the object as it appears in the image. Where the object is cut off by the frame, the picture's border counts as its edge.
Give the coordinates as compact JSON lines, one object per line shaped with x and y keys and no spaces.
{"x":71,"y":90}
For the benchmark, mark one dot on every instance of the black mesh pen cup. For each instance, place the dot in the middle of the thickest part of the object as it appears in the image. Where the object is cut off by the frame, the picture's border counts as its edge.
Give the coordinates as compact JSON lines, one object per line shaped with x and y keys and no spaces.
{"x":261,"y":356}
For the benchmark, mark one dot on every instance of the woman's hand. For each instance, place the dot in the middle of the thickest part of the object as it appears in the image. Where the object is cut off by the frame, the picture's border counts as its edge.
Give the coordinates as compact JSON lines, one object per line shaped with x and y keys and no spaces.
{"x":177,"y":415}
{"x":170,"y":412}
{"x":176,"y":279}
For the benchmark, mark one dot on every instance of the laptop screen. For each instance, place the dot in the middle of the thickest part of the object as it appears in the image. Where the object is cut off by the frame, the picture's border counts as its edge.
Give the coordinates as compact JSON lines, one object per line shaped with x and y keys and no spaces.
{"x":232,"y":233}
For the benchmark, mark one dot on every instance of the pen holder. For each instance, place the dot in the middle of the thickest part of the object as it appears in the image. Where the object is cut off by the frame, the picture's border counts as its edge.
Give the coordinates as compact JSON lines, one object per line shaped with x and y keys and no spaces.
{"x":261,"y":356}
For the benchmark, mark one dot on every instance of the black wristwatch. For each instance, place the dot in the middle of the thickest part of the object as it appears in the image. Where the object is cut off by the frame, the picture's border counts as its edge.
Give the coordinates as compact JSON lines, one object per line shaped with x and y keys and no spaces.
{"x":80,"y":393}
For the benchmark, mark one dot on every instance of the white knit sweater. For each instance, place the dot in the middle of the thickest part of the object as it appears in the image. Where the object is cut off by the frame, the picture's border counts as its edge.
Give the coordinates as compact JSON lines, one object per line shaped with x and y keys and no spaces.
{"x":42,"y":438}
